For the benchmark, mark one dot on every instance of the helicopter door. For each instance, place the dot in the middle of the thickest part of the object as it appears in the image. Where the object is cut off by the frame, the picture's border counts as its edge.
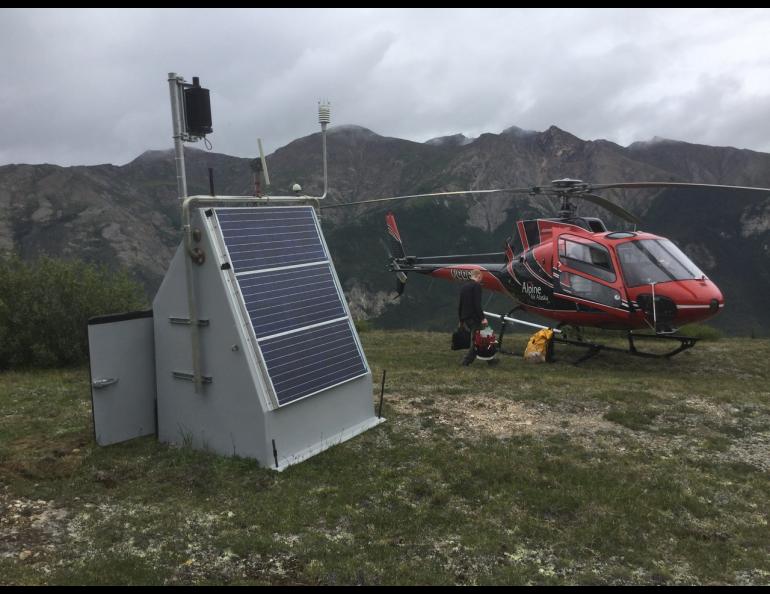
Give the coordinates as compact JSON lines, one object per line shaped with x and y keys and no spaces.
{"x":587,"y":274}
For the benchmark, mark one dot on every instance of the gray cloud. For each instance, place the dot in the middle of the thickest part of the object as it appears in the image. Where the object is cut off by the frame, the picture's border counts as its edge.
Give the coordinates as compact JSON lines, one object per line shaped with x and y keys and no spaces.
{"x":89,"y":86}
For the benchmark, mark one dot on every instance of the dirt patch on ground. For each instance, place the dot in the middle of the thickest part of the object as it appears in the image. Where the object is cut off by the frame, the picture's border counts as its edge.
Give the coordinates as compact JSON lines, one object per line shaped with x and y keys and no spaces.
{"x":481,"y":416}
{"x":40,"y":461}
{"x":478,"y":416}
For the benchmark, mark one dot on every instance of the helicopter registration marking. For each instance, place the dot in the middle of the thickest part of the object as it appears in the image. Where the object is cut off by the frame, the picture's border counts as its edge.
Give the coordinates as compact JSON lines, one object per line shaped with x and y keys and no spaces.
{"x":533,"y":291}
{"x":460,"y":274}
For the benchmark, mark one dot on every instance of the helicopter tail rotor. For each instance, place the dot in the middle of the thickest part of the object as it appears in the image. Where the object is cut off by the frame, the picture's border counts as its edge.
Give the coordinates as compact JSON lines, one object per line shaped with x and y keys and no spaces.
{"x":396,"y":252}
{"x":396,"y":244}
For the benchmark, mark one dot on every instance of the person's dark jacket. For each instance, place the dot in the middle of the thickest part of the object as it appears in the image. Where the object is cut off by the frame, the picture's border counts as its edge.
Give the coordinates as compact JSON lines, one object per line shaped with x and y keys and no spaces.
{"x":470,"y":303}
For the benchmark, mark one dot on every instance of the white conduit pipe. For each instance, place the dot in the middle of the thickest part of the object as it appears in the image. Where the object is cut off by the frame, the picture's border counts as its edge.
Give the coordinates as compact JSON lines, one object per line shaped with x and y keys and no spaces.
{"x":522,"y":322}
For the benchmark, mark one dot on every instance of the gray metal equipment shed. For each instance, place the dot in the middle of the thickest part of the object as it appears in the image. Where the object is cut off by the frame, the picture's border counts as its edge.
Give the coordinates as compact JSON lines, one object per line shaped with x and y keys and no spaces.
{"x":249,"y":349}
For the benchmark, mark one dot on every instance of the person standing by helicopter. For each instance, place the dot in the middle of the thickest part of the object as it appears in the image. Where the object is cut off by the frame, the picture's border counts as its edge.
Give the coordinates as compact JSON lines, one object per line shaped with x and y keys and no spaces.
{"x":470,"y":313}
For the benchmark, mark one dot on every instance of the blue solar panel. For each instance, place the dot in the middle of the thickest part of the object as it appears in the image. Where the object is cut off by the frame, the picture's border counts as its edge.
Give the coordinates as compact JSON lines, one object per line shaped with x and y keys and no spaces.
{"x":282,"y":300}
{"x":286,"y":281}
{"x":312,"y":360}
{"x":263,"y":238}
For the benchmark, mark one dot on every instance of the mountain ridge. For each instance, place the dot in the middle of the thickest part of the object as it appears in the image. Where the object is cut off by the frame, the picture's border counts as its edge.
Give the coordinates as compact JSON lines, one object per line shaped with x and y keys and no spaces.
{"x":128,"y":214}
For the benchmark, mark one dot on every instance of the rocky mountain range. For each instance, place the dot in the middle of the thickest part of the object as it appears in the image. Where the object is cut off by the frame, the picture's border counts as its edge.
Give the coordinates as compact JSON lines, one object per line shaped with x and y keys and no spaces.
{"x":129,"y":215}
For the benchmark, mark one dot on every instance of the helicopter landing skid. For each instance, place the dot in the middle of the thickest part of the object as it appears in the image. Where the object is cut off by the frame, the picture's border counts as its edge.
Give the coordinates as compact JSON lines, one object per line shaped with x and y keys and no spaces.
{"x":685,"y":342}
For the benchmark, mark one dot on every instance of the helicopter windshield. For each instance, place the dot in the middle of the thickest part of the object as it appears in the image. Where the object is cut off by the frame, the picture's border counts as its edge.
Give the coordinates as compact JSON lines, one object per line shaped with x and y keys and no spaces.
{"x":646,"y":261}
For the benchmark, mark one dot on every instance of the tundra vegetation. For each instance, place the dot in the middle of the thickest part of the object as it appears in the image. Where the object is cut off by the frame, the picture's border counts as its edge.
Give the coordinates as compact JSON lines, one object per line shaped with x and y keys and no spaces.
{"x":617,"y":471}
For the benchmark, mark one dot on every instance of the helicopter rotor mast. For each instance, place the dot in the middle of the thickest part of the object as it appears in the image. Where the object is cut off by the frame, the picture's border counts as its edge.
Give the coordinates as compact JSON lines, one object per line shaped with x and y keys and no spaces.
{"x":564,"y":189}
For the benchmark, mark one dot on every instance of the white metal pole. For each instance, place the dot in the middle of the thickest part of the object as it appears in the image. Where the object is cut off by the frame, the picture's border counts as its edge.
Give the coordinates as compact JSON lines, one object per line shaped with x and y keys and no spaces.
{"x":324,"y":118}
{"x":176,"y":119}
{"x":264,"y":162}
{"x":522,"y":322}
{"x":326,"y":176}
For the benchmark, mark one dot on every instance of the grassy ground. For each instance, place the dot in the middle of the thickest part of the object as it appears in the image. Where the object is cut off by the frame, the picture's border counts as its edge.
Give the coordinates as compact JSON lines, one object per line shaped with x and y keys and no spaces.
{"x":618,"y":471}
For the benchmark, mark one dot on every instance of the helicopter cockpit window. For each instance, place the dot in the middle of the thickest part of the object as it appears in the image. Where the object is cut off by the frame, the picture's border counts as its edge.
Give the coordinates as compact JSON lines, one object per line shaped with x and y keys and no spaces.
{"x":654,"y":261}
{"x":587,"y":256}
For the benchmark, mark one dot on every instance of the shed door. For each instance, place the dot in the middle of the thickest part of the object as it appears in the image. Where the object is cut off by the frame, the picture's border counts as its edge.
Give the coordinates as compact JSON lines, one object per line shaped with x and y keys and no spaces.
{"x":122,"y":353}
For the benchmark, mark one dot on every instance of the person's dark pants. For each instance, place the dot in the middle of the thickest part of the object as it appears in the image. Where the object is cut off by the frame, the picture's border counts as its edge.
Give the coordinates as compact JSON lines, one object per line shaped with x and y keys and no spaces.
{"x":472,"y":326}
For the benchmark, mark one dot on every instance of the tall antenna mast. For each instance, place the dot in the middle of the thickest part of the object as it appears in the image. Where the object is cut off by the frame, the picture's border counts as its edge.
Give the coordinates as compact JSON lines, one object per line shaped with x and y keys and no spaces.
{"x":176,"y":120}
{"x":190,"y":119}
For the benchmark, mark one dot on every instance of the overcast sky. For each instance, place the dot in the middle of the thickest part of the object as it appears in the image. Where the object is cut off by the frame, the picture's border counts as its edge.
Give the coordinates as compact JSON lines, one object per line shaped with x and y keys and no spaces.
{"x":89,"y":86}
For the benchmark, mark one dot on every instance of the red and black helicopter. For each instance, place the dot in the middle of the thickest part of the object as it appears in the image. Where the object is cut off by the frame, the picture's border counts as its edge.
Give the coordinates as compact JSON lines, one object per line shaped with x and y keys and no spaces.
{"x":575,"y":271}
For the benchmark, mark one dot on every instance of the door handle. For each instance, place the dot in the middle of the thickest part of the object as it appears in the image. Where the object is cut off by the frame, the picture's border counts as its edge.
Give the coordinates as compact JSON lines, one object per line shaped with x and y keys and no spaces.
{"x":103,"y":383}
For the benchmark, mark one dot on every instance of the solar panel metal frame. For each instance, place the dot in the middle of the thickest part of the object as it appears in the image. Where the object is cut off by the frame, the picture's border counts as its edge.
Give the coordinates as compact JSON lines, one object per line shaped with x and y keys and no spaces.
{"x":255,"y":356}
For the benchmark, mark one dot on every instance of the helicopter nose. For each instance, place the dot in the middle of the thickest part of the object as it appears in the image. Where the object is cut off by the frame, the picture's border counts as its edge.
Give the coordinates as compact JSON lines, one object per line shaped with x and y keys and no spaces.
{"x":697,"y":301}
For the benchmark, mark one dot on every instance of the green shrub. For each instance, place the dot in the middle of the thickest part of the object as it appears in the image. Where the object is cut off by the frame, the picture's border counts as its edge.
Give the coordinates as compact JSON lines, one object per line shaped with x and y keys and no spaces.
{"x":45,"y":305}
{"x":362,"y":325}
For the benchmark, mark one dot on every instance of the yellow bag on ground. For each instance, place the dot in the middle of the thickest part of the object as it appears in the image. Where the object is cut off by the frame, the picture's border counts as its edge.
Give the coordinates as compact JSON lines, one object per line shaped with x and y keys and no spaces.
{"x":537,"y":347}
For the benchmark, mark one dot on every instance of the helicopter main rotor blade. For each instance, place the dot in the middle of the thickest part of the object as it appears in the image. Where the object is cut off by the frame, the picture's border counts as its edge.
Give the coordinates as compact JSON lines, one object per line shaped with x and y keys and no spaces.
{"x":433,"y":194}
{"x":618,"y":211}
{"x":632,"y":185}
